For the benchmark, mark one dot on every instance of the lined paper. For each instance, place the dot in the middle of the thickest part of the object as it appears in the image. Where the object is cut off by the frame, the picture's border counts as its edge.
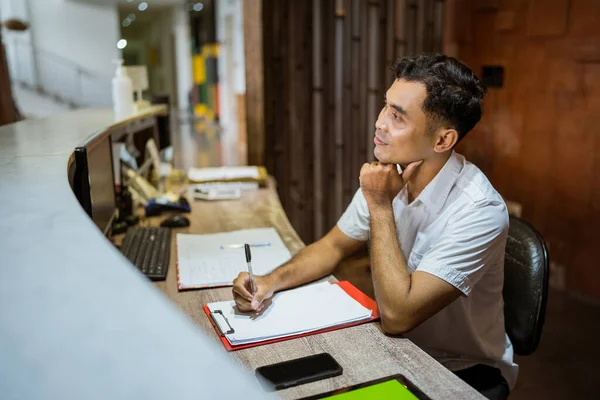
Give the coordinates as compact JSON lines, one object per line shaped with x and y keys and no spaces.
{"x":201,"y":262}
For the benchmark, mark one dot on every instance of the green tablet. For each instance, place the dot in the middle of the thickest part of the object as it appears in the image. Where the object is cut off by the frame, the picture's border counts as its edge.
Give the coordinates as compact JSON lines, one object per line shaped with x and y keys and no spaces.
{"x":385,"y":390}
{"x":391,"y":387}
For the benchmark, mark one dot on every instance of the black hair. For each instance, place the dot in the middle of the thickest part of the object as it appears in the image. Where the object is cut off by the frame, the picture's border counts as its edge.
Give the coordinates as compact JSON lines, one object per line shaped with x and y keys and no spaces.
{"x":454,"y":94}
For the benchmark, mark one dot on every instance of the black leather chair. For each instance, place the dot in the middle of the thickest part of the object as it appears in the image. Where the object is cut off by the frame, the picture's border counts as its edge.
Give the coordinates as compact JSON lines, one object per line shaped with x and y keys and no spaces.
{"x":525,"y":285}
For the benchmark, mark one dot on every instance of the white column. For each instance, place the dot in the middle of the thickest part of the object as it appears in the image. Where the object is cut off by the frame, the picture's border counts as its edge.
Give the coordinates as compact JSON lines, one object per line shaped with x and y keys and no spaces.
{"x":227,"y":103}
{"x":19,"y":45}
{"x":232,"y":75}
{"x":183,"y":56}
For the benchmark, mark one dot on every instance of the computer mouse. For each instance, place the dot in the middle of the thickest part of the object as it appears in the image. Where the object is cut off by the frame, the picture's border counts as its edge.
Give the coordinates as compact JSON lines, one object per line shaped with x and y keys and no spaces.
{"x":176,"y":221}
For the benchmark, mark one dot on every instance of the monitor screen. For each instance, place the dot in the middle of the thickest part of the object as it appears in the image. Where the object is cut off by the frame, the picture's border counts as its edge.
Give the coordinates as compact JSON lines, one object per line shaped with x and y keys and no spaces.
{"x":102,"y":184}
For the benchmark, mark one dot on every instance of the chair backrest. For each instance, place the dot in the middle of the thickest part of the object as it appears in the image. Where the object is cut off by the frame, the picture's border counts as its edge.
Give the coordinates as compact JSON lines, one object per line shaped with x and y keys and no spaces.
{"x":525,"y":285}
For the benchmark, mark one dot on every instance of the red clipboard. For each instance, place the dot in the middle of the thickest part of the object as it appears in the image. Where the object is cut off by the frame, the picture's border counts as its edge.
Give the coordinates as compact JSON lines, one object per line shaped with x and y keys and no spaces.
{"x":349,"y":288}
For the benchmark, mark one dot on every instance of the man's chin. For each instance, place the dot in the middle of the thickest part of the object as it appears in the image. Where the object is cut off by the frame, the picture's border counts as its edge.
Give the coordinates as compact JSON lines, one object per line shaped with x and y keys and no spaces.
{"x":382,"y":157}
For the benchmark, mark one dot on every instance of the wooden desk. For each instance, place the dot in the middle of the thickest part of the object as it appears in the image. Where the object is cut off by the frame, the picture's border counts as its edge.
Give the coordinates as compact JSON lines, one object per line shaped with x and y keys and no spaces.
{"x":364,"y":351}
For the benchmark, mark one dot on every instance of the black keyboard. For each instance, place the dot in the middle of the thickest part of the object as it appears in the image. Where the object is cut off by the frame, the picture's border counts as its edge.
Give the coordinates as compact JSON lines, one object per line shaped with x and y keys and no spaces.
{"x":149,"y":250}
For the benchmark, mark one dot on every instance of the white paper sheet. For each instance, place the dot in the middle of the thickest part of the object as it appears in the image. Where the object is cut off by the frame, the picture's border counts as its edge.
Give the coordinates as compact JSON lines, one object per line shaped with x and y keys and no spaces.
{"x":207,"y":260}
{"x":222,"y":173}
{"x":302,"y":310}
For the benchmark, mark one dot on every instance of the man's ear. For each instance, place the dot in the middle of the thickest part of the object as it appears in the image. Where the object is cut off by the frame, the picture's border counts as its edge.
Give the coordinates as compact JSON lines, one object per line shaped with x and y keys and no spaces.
{"x":446,"y":139}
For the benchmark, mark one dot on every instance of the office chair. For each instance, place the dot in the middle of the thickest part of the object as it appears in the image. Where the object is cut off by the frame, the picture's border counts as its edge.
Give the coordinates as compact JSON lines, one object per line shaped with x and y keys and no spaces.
{"x":525,"y":285}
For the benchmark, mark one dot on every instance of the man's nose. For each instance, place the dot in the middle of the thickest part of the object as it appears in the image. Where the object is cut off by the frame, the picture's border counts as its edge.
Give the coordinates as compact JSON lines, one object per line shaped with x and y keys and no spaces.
{"x":380,"y":123}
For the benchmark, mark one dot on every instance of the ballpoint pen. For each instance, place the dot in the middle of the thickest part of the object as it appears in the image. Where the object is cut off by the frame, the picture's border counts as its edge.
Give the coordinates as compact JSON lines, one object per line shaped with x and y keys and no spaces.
{"x":249,"y":262}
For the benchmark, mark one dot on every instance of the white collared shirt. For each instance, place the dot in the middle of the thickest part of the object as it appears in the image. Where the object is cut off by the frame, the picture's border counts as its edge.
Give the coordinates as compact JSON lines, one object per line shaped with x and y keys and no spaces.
{"x":456,"y":230}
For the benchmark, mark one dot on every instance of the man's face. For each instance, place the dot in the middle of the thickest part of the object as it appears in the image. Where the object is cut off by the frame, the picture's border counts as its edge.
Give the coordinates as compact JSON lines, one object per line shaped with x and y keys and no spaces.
{"x":401,"y":135}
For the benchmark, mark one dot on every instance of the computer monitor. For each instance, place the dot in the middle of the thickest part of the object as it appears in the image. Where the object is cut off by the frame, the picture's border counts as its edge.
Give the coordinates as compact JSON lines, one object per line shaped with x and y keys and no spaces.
{"x":93,"y":181}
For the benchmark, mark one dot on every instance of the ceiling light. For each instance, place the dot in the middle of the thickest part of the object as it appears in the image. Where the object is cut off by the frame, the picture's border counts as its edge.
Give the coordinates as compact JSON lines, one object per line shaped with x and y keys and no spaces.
{"x":131,"y":17}
{"x":198,"y":7}
{"x":126,"y":22}
{"x":121,"y":44}
{"x":143,"y":6}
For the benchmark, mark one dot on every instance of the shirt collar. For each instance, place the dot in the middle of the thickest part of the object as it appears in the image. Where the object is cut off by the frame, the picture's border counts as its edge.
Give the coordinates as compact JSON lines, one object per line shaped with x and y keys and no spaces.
{"x":436,"y":192}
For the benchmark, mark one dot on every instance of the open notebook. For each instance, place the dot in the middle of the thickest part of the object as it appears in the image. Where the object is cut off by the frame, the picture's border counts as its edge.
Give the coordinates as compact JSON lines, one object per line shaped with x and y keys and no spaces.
{"x":209,"y":261}
{"x":292,"y":313}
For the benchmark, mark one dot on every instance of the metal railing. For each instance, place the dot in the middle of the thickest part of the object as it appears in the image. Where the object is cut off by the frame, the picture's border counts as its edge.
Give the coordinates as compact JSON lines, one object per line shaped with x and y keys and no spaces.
{"x":54,"y":76}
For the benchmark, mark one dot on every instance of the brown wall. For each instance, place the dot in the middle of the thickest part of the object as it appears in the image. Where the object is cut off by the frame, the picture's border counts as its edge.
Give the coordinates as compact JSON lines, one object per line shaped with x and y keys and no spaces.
{"x":539,"y":140}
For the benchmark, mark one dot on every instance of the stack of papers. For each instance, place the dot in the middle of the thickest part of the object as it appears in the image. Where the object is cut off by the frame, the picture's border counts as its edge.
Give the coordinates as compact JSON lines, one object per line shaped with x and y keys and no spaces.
{"x":225,"y":185}
{"x":223,"y":174}
{"x":293,"y":312}
{"x":217,"y":259}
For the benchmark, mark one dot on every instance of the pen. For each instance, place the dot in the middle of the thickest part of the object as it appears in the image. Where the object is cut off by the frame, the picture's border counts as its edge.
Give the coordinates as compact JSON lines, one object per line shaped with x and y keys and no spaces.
{"x":248,"y":260}
{"x":239,"y":246}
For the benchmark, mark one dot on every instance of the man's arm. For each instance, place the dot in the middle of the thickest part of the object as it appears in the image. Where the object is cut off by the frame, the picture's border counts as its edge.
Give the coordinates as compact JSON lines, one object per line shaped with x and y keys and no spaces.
{"x":315,"y":261}
{"x":404,"y":300}
{"x":311,"y":263}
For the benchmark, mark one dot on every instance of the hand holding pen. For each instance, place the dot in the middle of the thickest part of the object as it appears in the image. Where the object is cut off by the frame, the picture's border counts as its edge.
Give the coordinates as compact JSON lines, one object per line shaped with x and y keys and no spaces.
{"x":250,"y":291}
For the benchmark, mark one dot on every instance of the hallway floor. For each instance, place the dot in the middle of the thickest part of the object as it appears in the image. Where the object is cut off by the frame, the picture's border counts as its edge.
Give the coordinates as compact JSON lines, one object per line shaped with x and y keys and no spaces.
{"x":565,"y":365}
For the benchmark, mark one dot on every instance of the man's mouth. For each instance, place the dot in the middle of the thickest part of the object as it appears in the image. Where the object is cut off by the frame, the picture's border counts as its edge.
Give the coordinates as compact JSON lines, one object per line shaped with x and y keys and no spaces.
{"x":379,"y":142}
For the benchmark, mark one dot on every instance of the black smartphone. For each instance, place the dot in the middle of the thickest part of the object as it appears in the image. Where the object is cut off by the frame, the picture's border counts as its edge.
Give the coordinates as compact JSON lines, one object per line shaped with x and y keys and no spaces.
{"x":296,"y":372}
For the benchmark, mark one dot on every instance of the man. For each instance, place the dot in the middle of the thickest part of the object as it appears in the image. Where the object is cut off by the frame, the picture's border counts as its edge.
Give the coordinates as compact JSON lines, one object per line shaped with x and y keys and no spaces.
{"x":436,"y":231}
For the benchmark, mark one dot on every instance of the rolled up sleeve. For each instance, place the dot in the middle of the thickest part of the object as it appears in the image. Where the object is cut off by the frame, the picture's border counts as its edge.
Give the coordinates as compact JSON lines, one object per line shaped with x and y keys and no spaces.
{"x":355,"y":220}
{"x":471,"y":242}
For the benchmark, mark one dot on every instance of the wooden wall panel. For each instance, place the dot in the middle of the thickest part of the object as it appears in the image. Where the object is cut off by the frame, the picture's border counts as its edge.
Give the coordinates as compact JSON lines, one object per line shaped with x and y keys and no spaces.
{"x":362,"y":87}
{"x":255,"y":84}
{"x":539,"y":141}
{"x":591,"y":81}
{"x":338,"y":110}
{"x":356,"y":129}
{"x":583,"y":19}
{"x":318,"y":114}
{"x":374,"y":93}
{"x":349,"y":139}
{"x":329,"y":142}
{"x":583,"y":274}
{"x":326,"y":69}
{"x":554,"y":22}
{"x":325,"y":74}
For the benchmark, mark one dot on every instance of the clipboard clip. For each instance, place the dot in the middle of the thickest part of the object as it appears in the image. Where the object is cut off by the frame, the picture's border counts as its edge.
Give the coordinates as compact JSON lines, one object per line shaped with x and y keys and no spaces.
{"x":216,"y":324}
